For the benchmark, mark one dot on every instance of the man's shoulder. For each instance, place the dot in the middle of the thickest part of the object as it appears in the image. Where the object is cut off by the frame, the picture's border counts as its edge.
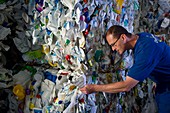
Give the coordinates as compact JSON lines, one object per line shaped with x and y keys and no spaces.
{"x":148,"y":37}
{"x":144,"y":34}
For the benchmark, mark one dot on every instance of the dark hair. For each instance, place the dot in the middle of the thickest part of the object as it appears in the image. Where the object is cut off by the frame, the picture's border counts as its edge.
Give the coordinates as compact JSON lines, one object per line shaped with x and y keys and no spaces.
{"x":117,"y":30}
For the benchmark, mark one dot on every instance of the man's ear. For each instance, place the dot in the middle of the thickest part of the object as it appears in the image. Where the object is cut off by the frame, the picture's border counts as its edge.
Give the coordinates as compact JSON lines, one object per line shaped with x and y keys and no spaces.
{"x":123,"y":37}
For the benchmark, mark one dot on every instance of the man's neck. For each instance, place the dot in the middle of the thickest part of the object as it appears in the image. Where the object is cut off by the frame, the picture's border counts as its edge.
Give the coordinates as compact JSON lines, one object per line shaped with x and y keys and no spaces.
{"x":133,"y":41}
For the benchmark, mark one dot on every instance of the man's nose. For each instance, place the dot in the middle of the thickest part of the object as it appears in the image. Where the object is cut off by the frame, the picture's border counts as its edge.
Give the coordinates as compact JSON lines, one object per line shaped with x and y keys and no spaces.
{"x":113,"y":49}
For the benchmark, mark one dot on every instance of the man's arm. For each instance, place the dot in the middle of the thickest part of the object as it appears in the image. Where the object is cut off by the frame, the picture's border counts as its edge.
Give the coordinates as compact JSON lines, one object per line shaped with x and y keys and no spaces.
{"x":111,"y":88}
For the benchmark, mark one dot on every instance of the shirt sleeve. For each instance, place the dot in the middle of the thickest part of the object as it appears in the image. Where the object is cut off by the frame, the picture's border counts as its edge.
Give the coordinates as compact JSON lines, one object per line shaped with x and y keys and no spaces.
{"x":146,"y":57}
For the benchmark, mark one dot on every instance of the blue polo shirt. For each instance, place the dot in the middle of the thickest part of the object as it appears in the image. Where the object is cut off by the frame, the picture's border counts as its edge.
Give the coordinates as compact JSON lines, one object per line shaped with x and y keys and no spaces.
{"x":151,"y":59}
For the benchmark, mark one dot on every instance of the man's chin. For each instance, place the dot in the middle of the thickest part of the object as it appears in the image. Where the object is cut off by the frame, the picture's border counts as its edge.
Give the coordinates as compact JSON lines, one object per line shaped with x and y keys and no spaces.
{"x":120,"y":53}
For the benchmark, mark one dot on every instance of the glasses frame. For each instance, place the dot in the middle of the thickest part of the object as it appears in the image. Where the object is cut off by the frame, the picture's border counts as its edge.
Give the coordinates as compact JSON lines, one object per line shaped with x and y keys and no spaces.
{"x":113,"y":44}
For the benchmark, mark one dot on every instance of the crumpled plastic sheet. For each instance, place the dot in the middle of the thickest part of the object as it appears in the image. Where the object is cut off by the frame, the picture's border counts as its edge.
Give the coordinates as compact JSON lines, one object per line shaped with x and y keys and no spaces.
{"x":69,"y":36}
{"x":13,"y":26}
{"x":154,"y":17}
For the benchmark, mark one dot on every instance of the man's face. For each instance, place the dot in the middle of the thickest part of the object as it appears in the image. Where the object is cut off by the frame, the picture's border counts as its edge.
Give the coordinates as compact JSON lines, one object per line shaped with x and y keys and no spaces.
{"x":116,"y":43}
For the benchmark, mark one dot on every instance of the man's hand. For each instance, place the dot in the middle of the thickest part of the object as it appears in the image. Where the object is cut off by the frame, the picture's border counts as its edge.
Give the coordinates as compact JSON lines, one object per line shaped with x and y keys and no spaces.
{"x":87,"y":89}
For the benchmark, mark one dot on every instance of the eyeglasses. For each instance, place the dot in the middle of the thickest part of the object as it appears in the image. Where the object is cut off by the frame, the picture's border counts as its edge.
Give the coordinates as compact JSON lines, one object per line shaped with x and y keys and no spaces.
{"x":114,"y":42}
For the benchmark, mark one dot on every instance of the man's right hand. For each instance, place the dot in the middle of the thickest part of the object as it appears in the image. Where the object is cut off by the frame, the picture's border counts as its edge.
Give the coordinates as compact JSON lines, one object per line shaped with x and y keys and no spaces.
{"x":87,"y":89}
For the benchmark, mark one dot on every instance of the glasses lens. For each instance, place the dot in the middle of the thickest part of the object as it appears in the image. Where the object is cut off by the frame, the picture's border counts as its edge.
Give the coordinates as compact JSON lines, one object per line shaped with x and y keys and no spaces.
{"x":115,"y":42}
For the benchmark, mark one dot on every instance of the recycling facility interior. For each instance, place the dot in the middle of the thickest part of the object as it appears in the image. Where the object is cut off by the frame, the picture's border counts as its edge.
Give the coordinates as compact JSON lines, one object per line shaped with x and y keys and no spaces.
{"x":47,"y":45}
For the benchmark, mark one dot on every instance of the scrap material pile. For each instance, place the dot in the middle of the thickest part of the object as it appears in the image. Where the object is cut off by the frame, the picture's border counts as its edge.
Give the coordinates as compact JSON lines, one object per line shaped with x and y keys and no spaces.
{"x":51,"y":48}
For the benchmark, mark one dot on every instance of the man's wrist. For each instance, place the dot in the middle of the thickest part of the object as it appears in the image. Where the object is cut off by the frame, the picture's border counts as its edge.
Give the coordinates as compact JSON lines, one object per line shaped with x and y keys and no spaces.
{"x":92,"y":87}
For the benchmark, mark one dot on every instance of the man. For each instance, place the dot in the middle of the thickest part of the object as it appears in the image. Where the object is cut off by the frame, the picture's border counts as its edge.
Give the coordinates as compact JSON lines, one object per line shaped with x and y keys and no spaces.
{"x":151,"y":59}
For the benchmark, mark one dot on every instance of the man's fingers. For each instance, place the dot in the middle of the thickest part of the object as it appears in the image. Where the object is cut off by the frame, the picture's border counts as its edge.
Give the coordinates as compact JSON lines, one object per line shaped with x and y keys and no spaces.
{"x":84,"y":90}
